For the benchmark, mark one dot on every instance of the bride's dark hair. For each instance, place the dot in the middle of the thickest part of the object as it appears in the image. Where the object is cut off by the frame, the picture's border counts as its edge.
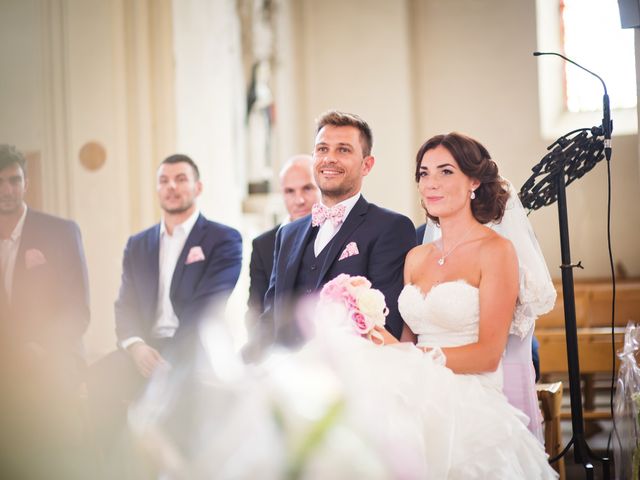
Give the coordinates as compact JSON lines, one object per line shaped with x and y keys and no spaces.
{"x":475,"y":162}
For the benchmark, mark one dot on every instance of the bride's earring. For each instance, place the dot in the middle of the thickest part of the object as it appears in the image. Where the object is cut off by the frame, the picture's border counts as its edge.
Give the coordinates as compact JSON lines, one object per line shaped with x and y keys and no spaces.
{"x":473,"y":195}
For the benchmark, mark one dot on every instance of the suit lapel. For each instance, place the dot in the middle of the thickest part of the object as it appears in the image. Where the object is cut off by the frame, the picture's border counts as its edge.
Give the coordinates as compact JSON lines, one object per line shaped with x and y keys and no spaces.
{"x":295,"y":255}
{"x":194,"y":238}
{"x":29,"y":232}
{"x":152,"y":265}
{"x":352,"y":222}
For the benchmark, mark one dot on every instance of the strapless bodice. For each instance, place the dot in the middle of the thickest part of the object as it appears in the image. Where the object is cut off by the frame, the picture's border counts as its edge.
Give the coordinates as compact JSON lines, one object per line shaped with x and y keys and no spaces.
{"x":446,"y":316}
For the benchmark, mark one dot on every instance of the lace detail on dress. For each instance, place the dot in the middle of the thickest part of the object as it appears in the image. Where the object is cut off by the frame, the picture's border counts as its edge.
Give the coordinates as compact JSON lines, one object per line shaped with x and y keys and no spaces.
{"x":535,"y":298}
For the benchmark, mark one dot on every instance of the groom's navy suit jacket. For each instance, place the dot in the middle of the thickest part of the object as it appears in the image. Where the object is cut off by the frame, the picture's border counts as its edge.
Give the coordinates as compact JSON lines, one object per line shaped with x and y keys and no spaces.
{"x":383,"y":239}
{"x":195,"y":287}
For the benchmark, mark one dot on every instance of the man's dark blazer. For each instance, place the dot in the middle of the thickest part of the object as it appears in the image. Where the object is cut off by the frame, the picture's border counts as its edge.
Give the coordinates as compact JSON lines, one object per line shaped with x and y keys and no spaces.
{"x":383,"y":239}
{"x":260,"y":268}
{"x":194,"y":287}
{"x":49,"y":308}
{"x":50,"y":292}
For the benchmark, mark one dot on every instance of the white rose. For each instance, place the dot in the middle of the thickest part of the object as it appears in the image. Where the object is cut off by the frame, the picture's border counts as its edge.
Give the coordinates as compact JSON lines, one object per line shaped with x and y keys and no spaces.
{"x":372,"y":305}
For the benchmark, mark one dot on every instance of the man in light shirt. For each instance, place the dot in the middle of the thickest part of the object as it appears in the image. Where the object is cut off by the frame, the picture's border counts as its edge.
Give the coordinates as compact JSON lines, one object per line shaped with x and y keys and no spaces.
{"x":345,"y":234}
{"x":175,"y":274}
{"x":44,"y":312}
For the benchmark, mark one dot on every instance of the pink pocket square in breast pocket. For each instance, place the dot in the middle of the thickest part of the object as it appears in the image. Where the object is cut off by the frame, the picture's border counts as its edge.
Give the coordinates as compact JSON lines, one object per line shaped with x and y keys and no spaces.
{"x":349,"y":251}
{"x":34,"y":258}
{"x":195,"y":255}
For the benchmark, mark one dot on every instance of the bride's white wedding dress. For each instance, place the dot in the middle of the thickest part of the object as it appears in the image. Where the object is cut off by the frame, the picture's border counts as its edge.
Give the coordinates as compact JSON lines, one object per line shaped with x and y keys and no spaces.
{"x":482,"y":435}
{"x":342,"y":407}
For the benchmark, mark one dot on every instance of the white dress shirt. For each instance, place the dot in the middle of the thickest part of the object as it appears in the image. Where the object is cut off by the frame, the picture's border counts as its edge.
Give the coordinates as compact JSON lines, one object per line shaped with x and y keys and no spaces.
{"x":8,"y":254}
{"x":327,"y":230}
{"x":171,"y":246}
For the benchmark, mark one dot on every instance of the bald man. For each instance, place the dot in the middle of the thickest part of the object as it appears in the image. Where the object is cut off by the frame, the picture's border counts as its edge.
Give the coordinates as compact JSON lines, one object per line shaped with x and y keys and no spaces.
{"x":300,"y":192}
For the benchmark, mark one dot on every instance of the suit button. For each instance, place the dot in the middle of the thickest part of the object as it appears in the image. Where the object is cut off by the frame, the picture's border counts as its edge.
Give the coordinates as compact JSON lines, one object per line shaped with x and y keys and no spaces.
{"x":309,"y":291}
{"x":313,"y":267}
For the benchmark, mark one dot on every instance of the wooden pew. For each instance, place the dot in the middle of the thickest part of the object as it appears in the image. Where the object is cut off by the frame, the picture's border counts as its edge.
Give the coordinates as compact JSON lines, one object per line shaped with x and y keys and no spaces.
{"x":593,"y":321}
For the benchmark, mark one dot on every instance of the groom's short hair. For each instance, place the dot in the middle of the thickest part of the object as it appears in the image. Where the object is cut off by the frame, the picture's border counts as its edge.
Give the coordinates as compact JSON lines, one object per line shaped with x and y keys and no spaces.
{"x":342,"y":119}
{"x":179,"y":158}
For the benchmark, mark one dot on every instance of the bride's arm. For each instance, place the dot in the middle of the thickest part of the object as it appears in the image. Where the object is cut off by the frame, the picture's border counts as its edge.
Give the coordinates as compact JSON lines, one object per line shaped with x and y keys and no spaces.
{"x":498,"y":294}
{"x":409,"y":262}
{"x":407,"y":335}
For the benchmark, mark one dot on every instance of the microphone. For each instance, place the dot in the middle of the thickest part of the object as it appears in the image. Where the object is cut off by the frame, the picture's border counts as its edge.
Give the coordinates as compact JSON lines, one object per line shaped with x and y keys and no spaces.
{"x":607,"y":123}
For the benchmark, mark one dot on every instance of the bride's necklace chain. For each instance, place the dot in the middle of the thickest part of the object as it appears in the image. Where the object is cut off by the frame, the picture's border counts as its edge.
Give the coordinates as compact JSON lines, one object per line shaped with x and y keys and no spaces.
{"x":445,"y":255}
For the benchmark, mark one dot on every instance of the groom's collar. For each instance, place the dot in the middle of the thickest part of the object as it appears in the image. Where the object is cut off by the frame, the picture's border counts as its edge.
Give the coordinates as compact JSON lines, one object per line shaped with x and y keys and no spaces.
{"x":348,"y":203}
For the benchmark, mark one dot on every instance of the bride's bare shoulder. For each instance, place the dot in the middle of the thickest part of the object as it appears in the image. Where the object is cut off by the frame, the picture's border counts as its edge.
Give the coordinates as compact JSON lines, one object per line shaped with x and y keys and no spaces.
{"x":495,"y":247}
{"x":419,"y":253}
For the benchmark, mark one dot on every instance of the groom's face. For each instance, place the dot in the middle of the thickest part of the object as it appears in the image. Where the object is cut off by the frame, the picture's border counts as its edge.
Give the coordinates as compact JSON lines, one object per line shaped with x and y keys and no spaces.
{"x":339,"y":164}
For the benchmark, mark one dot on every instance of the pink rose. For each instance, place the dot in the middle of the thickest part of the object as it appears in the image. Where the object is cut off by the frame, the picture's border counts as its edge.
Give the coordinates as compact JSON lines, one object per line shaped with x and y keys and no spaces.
{"x":350,"y":300}
{"x":333,"y":291}
{"x":360,"y":322}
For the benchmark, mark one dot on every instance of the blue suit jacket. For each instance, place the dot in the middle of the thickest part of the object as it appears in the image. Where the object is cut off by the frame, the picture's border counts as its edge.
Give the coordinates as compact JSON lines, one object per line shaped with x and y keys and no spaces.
{"x":50,"y":300}
{"x":383,"y":238}
{"x":194,"y":287}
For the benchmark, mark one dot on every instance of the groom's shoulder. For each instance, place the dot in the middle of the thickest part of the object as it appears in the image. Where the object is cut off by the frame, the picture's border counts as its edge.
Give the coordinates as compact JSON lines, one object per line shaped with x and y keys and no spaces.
{"x":374,"y":211}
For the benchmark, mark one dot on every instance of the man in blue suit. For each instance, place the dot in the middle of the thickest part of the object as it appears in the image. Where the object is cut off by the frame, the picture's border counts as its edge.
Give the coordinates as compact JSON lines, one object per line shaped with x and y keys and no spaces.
{"x":345,"y":234}
{"x":44,"y":311}
{"x":175,"y":274}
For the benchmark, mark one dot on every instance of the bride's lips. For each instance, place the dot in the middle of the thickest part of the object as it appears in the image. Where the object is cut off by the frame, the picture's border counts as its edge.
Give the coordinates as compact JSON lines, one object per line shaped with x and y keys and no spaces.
{"x":434,"y":199}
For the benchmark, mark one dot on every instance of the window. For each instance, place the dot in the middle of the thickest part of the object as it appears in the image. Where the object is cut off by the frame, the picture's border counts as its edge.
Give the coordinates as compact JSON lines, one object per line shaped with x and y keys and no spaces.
{"x":592,"y":36}
{"x":589,"y":33}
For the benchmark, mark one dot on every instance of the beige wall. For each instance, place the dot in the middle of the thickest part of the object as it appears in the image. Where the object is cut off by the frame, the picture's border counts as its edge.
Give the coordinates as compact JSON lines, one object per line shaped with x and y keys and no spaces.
{"x":116,"y":72}
{"x":477,"y":75}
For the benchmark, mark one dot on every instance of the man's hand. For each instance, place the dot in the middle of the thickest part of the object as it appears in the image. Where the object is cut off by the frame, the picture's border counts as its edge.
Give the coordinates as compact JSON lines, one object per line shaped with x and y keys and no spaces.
{"x":146,"y":358}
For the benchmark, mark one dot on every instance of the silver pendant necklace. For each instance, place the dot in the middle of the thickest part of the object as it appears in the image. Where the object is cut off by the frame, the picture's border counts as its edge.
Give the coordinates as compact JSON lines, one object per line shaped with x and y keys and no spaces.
{"x":445,"y":255}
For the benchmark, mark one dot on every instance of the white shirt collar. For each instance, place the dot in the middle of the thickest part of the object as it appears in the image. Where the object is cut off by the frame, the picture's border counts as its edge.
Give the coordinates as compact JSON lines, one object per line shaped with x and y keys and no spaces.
{"x":17,"y":231}
{"x":185,"y":226}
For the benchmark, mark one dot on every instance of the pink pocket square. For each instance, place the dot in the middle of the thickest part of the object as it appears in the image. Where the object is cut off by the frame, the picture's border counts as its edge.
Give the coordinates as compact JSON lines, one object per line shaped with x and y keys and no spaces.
{"x":34,"y":258}
{"x":350,"y":250}
{"x":195,"y":255}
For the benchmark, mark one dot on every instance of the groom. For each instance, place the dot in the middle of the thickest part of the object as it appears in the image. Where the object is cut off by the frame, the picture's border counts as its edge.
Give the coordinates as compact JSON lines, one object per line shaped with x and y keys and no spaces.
{"x":344,"y":234}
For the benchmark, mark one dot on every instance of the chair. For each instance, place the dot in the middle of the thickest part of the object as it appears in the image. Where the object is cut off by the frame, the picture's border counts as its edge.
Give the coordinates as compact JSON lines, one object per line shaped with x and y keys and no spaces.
{"x":550,"y":397}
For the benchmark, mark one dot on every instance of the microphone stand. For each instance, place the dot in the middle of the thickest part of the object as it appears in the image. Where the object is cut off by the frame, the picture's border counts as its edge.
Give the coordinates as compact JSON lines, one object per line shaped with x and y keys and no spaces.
{"x":574,"y":155}
{"x":570,"y":158}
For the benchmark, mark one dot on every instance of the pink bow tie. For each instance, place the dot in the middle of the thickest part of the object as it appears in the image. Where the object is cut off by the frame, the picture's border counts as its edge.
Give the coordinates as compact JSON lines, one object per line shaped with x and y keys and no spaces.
{"x":320,"y":214}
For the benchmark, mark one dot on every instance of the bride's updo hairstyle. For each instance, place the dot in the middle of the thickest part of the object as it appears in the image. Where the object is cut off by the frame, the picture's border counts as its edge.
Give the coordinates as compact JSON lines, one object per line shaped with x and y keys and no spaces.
{"x":475,"y":162}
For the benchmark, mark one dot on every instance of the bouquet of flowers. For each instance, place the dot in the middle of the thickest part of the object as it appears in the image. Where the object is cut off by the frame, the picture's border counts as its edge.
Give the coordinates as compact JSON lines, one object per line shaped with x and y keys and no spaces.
{"x":365,"y":305}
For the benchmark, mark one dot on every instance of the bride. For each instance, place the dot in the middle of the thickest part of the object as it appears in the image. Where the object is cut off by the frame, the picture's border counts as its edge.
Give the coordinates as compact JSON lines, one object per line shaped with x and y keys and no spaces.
{"x":430,"y":406}
{"x":460,"y":292}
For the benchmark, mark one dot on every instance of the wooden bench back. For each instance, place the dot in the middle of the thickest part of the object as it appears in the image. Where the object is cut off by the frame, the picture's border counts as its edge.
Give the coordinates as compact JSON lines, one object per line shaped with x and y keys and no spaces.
{"x":593,"y":321}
